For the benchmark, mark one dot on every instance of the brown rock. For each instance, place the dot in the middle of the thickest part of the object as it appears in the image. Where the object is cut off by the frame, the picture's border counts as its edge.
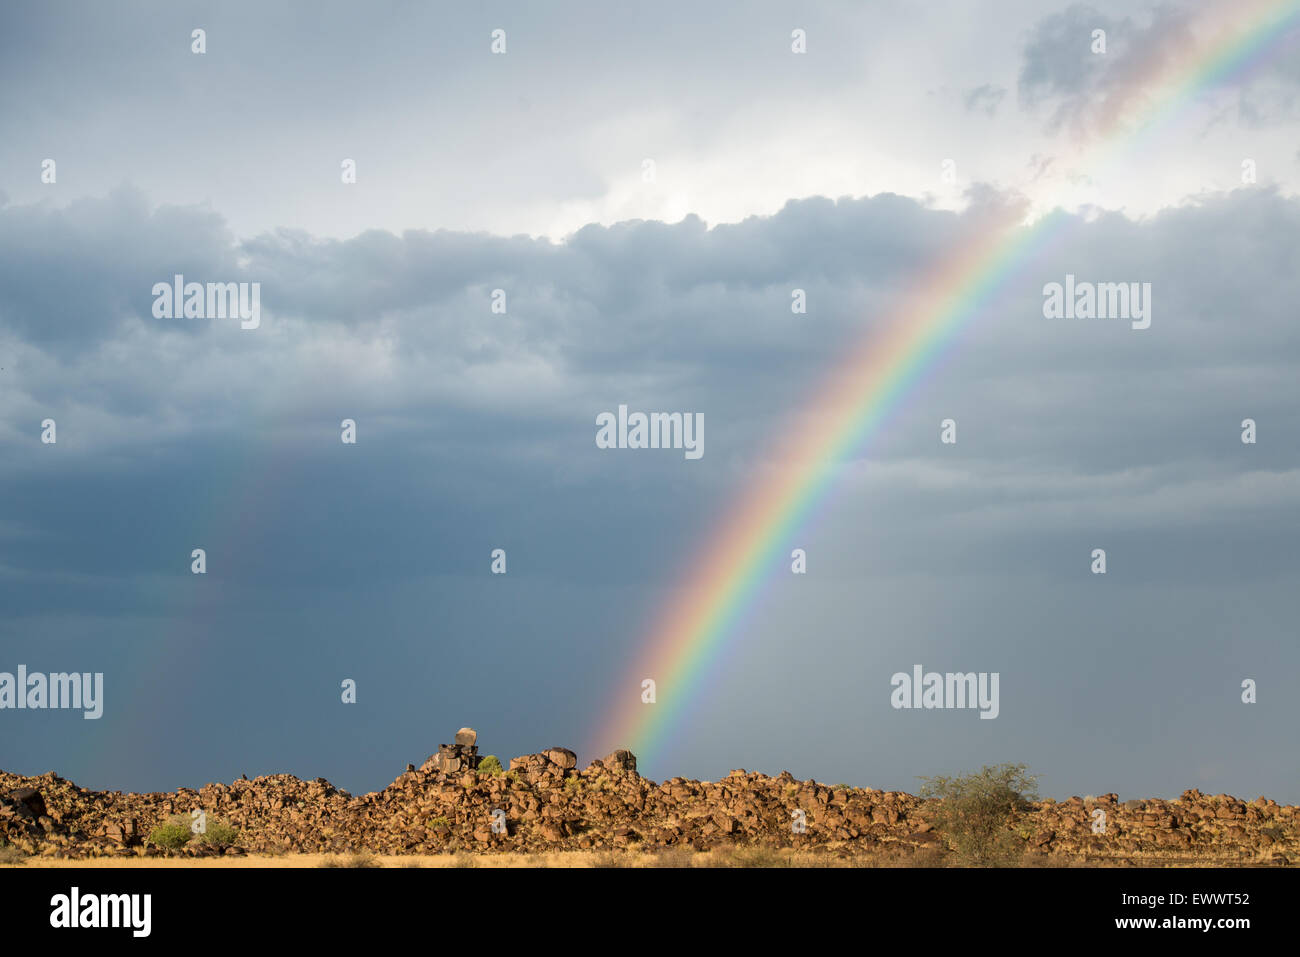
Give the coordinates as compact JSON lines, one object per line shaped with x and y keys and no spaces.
{"x":551,"y":807}
{"x":562,"y":757}
{"x":30,"y":799}
{"x":621,"y":760}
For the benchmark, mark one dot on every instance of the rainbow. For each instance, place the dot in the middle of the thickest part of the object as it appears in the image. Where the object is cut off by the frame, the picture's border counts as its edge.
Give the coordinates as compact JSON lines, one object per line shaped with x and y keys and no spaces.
{"x":725,"y":580}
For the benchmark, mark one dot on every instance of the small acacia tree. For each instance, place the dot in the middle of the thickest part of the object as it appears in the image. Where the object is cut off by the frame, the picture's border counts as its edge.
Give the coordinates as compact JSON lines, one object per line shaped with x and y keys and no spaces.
{"x":974,"y":811}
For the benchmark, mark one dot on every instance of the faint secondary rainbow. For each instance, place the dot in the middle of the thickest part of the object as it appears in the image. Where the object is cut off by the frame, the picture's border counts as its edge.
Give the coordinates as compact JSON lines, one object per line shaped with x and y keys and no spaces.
{"x":738,"y":558}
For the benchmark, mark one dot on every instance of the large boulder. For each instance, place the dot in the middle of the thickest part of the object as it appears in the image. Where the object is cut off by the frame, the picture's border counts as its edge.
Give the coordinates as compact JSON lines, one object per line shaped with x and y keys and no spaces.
{"x":562,"y":757}
{"x":30,"y":800}
{"x":620,"y":760}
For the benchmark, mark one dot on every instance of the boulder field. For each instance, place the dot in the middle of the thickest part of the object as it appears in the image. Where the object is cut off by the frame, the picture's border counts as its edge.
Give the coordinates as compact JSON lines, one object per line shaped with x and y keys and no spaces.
{"x":549,"y":804}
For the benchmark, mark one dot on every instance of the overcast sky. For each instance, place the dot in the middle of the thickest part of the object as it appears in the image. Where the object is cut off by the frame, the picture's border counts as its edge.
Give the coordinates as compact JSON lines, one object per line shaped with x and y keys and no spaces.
{"x":476,"y":430}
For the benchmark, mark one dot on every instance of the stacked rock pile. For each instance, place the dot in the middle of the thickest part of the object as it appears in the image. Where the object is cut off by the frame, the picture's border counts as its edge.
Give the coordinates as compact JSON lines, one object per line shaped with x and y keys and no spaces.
{"x":453,"y":758}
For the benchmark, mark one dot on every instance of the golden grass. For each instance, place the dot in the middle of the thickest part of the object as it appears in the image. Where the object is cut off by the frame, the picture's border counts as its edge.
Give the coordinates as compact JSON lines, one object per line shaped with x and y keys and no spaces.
{"x":739,"y":857}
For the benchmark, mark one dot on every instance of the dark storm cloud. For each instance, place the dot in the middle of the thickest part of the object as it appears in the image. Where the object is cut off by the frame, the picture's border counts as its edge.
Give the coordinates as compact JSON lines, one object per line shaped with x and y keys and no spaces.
{"x":405,"y":323}
{"x":477,"y":431}
{"x":73,"y":274}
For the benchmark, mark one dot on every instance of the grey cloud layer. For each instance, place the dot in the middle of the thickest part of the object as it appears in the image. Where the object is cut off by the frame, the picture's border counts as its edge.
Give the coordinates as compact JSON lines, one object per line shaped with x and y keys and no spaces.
{"x":1083,"y":89}
{"x":669,"y":315}
{"x":477,"y":431}
{"x":444,"y":133}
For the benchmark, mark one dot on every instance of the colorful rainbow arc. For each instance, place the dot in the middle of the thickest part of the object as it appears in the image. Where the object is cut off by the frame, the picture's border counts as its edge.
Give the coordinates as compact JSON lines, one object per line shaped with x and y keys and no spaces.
{"x":727,"y":577}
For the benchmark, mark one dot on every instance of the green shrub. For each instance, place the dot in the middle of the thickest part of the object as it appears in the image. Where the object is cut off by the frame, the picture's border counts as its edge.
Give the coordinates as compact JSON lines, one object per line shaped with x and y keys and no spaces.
{"x":217,"y":833}
{"x":173,"y":833}
{"x":177,"y":831}
{"x":491,"y":765}
{"x":438,"y":822}
{"x":975,"y":811}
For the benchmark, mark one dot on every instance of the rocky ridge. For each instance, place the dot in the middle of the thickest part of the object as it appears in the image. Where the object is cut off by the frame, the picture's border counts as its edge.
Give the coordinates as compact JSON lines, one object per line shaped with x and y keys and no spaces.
{"x":549,"y":804}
